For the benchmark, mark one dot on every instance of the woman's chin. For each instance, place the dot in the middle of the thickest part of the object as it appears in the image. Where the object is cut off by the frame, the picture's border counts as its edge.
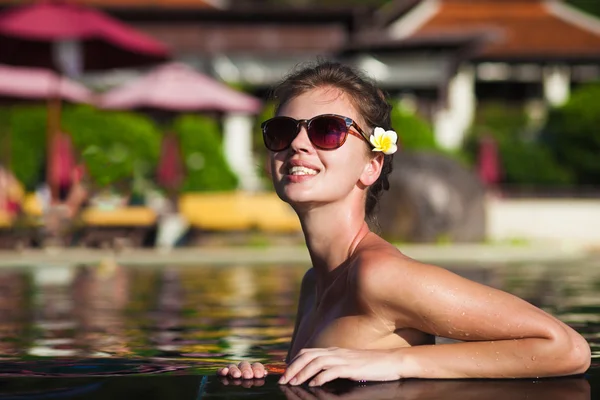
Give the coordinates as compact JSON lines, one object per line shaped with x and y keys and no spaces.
{"x":295,"y":194}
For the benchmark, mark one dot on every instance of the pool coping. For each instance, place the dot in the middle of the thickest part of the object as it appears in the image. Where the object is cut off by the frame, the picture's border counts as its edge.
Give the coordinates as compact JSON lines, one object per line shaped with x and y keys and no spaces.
{"x":468,"y":254}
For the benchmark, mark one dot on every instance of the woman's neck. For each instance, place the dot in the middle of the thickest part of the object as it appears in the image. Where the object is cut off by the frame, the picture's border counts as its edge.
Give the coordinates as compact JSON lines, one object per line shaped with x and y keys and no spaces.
{"x":332,"y":233}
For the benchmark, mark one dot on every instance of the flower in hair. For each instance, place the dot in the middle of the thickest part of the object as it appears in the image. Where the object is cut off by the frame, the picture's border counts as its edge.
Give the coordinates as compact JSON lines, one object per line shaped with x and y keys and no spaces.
{"x":384,"y":141}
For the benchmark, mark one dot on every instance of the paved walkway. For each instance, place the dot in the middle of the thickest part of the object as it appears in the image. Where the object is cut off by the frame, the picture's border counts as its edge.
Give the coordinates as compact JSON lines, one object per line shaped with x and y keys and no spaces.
{"x":467,"y":254}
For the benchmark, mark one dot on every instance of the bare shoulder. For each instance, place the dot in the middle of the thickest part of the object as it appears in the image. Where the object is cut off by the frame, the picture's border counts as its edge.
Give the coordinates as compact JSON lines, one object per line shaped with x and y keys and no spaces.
{"x":382,"y":272}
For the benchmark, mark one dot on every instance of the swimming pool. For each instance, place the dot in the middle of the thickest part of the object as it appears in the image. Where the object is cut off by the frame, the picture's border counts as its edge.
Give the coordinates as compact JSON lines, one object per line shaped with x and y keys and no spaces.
{"x":114,"y":331}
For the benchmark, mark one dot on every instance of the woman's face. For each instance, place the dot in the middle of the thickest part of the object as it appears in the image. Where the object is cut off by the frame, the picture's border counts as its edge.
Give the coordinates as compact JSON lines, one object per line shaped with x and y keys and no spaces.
{"x":326,"y":175}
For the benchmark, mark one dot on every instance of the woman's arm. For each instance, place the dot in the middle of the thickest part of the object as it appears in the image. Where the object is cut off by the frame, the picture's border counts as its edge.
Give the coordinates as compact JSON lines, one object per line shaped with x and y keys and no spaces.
{"x":504,"y":336}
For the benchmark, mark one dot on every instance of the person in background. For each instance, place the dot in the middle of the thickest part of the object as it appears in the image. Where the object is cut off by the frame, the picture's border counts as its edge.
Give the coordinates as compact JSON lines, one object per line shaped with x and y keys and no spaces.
{"x":11,"y":193}
{"x":368,"y":312}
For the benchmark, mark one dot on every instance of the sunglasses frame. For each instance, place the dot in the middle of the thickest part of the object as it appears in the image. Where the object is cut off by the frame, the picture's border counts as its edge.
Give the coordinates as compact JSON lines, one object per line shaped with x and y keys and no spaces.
{"x":307,"y":122}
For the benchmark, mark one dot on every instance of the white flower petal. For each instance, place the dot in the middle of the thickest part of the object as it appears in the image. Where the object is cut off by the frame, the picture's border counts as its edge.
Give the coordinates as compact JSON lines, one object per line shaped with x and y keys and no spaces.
{"x":391,"y":150}
{"x":378,"y":132}
{"x":393,"y":135}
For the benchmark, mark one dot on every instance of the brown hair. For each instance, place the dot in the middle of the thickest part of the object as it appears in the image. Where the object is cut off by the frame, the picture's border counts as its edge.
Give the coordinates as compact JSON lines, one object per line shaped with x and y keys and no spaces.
{"x":366,"y":97}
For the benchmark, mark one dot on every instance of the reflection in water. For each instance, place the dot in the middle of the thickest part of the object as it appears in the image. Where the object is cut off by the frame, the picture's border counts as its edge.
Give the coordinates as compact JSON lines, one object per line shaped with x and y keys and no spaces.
{"x":205,"y":317}
{"x":572,"y":389}
{"x":576,"y":388}
{"x":99,"y":294}
{"x":14,"y":312}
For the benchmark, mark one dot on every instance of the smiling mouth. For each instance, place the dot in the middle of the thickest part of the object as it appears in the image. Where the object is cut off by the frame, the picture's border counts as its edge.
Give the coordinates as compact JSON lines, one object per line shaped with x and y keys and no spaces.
{"x":301,"y":171}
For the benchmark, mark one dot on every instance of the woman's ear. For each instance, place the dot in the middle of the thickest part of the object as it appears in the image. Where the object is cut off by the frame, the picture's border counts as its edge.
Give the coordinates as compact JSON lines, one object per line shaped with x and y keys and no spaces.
{"x":372,"y":170}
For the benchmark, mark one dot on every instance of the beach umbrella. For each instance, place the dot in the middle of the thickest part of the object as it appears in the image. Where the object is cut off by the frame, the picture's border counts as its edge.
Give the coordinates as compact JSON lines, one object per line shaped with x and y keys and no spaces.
{"x":179,"y":88}
{"x":173,"y":88}
{"x":40,"y":84}
{"x":71,"y":38}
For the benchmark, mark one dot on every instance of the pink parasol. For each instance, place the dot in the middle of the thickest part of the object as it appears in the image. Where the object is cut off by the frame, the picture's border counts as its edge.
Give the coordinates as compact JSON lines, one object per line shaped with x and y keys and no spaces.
{"x":76,"y":37}
{"x":177,"y":87}
{"x":38,"y":83}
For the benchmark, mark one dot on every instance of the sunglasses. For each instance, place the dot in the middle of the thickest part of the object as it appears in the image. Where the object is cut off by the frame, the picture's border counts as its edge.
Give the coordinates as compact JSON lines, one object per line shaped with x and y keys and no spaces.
{"x":325,"y":132}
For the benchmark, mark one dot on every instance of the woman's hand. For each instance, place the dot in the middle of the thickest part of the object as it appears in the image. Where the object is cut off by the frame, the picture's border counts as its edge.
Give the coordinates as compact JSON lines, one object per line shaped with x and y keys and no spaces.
{"x":244,"y":370}
{"x":324,"y":365}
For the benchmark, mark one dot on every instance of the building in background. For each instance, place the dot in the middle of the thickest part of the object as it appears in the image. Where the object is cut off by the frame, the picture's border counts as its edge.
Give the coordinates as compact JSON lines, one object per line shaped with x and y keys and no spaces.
{"x":442,"y":56}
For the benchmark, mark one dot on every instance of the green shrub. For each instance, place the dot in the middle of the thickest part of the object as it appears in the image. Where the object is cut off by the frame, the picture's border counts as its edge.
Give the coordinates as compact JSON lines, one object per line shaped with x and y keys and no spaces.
{"x":573,"y":134}
{"x":414,"y":133}
{"x":526,"y":163}
{"x":115,"y":146}
{"x":202,"y":150}
{"x":523,"y":159}
{"x":27,"y":127}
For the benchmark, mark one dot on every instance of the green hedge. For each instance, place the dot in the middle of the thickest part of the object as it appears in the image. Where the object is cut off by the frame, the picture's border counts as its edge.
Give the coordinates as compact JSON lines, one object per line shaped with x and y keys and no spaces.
{"x":523,"y":159}
{"x":414,"y":133}
{"x":202,"y":150}
{"x":116,"y":147}
{"x":27,"y":127}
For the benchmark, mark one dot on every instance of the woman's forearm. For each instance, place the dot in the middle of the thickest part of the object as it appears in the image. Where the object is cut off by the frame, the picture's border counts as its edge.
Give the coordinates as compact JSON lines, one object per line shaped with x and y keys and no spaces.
{"x":519,"y":358}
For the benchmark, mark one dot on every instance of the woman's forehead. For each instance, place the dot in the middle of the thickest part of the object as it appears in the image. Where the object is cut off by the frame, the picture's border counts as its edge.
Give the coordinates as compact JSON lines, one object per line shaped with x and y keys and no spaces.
{"x":323,"y":100}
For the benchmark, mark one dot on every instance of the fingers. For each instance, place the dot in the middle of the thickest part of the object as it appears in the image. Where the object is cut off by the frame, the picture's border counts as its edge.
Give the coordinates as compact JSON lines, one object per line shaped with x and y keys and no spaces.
{"x":258,"y":370}
{"x":243,"y":370}
{"x":304,"y":357}
{"x":327,"y":376}
{"x":246,"y":370}
{"x":306,"y":365}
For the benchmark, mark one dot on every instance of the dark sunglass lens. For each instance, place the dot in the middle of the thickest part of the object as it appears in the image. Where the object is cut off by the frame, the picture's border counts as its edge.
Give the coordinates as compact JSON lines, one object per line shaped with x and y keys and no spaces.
{"x":278,"y":133}
{"x":328,"y":132}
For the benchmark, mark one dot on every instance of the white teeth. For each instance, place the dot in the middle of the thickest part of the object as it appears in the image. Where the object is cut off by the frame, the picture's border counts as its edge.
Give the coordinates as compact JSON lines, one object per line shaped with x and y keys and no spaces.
{"x":298,"y":170}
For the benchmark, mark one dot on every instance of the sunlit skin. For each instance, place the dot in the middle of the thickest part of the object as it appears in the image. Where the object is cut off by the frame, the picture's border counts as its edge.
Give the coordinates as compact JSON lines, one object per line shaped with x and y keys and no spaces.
{"x":368,"y":312}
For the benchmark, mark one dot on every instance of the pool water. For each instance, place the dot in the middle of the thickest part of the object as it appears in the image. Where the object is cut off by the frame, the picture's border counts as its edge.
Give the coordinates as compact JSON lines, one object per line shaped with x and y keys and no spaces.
{"x":111,"y":331}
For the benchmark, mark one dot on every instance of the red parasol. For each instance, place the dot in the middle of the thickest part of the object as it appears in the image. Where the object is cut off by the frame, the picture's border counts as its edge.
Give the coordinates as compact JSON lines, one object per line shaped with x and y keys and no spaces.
{"x":72,"y":38}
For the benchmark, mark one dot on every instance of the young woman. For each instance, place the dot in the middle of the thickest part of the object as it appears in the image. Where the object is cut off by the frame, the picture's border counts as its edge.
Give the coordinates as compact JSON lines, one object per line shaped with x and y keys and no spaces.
{"x":367,"y":311}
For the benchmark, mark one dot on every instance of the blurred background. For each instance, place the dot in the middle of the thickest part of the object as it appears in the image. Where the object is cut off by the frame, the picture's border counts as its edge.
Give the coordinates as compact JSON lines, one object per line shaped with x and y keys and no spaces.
{"x":136,"y":123}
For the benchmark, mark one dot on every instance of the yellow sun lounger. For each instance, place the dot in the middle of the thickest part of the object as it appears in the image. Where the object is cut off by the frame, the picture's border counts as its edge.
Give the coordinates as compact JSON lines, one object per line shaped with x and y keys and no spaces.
{"x":122,"y":216}
{"x":237,"y":211}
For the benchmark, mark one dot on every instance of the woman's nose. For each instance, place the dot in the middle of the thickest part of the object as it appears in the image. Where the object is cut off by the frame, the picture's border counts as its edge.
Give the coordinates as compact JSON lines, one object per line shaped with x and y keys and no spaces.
{"x":301,"y":142}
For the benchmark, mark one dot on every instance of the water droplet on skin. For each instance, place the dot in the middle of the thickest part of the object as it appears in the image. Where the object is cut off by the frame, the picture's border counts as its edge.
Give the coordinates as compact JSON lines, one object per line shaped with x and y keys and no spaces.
{"x":532,"y":358}
{"x":463,"y":313}
{"x":466,"y":334}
